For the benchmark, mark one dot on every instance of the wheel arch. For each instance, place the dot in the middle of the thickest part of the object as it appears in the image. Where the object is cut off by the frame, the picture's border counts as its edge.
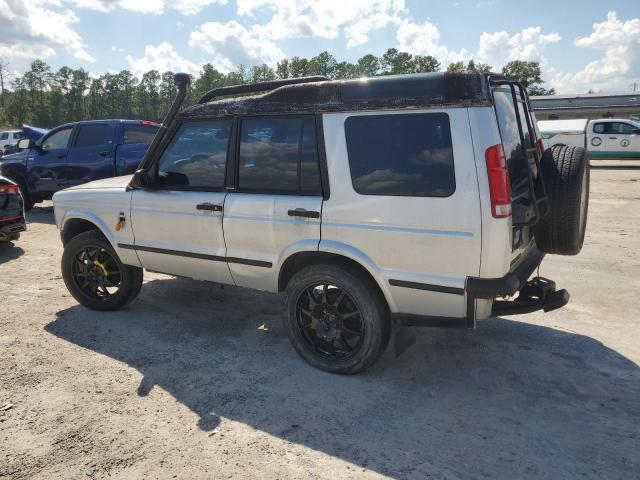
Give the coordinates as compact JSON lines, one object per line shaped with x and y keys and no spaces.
{"x":73,"y":225}
{"x":334,"y":255}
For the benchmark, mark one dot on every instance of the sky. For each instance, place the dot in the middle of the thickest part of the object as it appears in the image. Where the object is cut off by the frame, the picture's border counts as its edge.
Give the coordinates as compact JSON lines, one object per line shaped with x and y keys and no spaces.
{"x":581,"y":45}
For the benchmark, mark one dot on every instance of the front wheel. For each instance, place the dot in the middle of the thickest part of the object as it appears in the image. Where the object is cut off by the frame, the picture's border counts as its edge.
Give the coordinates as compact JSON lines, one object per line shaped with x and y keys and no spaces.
{"x":94,"y":274}
{"x":337,"y":319}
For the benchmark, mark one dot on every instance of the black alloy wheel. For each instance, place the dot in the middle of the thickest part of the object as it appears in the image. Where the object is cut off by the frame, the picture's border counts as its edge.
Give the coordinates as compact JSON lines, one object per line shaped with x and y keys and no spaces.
{"x":330,"y":321}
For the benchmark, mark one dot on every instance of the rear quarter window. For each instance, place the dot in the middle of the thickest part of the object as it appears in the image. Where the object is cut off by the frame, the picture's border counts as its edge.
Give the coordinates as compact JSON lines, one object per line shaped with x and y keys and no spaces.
{"x":401,"y":155}
{"x":139,"y":133}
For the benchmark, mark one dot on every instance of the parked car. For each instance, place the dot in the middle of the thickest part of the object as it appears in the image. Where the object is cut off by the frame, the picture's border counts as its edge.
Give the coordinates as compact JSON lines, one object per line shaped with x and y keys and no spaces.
{"x":34,"y":133}
{"x":606,"y":138}
{"x":402,"y":200}
{"x":11,"y":211}
{"x":77,"y":153}
{"x":9,"y":138}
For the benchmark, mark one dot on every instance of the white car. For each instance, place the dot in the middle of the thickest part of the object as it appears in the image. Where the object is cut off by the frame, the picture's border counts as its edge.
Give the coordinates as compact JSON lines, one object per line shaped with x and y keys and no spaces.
{"x":9,"y":137}
{"x":607,"y":138}
{"x":408,"y":200}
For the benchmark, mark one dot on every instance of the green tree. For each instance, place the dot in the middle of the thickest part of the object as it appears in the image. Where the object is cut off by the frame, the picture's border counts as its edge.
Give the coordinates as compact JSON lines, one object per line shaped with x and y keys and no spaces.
{"x":529,"y":75}
{"x":262,"y":73}
{"x":395,"y":62}
{"x":323,"y":64}
{"x":282,"y":68}
{"x":424,"y":64}
{"x":298,"y":67}
{"x":367,"y":66}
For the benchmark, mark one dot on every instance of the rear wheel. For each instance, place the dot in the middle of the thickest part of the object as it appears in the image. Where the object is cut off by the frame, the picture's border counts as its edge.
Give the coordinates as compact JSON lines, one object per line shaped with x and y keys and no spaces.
{"x":94,"y":274}
{"x":337,"y":319}
{"x":565,"y":170}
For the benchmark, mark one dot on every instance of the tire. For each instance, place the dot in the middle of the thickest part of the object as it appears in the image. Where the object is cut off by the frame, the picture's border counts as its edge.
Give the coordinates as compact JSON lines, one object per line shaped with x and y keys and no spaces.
{"x":361,"y":293}
{"x":565,"y":170}
{"x":129,"y":279}
{"x":26,"y":196}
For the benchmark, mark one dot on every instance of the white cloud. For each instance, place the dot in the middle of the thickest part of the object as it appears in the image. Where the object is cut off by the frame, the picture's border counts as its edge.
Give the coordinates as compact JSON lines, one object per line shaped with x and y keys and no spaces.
{"x":499,"y":48}
{"x":161,"y":57}
{"x":35,"y":27}
{"x":619,"y":66}
{"x":424,"y":39}
{"x":231,"y":44}
{"x":156,"y":7}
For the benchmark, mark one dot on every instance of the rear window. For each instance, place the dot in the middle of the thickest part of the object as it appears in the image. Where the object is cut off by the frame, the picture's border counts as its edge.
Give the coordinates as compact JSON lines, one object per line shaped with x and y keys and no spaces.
{"x":513,"y":150}
{"x":97,"y":134}
{"x":401,"y":155}
{"x":139,"y":133}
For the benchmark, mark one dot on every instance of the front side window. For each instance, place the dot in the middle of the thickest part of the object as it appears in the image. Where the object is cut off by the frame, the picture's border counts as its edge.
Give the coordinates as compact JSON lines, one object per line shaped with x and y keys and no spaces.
{"x":622,"y":128}
{"x":97,"y":134}
{"x":139,"y":133}
{"x":17,"y":135}
{"x":197,"y":156}
{"x":404,"y":155}
{"x":58,"y":140}
{"x":278,"y":155}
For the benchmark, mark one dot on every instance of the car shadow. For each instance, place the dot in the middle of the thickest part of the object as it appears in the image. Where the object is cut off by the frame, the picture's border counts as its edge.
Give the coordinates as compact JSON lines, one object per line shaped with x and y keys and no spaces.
{"x":41,"y":214}
{"x":9,"y":251}
{"x":530,"y":400}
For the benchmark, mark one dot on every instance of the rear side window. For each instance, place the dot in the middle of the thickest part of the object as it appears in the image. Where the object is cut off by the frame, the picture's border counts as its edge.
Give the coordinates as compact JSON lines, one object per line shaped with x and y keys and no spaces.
{"x":97,"y":134}
{"x":139,"y":133}
{"x":403,"y":155}
{"x":196,"y":157}
{"x":4,"y":135}
{"x":279,"y":155}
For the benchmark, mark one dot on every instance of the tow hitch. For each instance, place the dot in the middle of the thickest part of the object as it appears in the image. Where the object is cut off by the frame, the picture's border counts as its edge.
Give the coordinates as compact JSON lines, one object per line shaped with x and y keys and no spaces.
{"x":537,"y":294}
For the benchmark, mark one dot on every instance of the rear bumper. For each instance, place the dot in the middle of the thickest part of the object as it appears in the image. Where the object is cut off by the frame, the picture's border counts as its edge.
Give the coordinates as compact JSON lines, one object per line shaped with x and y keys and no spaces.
{"x":9,"y":228}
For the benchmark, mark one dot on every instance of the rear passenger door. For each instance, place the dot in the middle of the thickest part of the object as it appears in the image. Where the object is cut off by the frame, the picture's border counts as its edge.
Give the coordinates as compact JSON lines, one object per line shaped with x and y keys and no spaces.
{"x":275,"y":205}
{"x":91,"y":154}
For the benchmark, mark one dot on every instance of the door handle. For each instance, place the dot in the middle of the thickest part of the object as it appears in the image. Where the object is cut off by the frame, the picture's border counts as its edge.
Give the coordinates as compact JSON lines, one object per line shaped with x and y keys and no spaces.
{"x":301,"y":212}
{"x":61,"y":155}
{"x":209,"y":206}
{"x":613,"y":138}
{"x":104,"y":153}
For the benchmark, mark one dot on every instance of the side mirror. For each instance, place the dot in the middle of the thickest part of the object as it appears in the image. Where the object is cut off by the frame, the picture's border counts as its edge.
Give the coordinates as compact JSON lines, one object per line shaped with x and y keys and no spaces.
{"x":636,"y":131}
{"x":25,"y":144}
{"x":140,"y":179}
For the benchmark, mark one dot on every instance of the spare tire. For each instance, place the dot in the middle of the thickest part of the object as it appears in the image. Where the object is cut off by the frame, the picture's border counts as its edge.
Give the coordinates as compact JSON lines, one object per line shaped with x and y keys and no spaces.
{"x":565,"y":171}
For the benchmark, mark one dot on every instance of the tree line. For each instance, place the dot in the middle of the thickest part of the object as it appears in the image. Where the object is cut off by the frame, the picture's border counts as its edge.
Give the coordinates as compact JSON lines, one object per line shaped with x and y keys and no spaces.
{"x":47,"y":98}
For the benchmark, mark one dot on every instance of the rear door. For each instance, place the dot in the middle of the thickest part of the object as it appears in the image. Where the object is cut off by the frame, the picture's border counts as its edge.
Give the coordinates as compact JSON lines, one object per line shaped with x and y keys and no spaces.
{"x":136,"y":138}
{"x":274,"y":209}
{"x":91,"y":156}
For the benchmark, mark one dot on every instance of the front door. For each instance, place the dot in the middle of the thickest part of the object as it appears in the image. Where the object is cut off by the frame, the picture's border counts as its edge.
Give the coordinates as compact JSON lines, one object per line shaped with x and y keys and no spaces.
{"x":177,"y":222}
{"x":621,"y":140}
{"x":91,"y":156}
{"x":275,"y":208}
{"x":47,"y":163}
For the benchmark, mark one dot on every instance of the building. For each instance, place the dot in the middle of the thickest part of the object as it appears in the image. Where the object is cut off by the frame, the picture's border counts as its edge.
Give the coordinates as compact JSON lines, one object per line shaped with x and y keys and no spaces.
{"x":562,"y":107}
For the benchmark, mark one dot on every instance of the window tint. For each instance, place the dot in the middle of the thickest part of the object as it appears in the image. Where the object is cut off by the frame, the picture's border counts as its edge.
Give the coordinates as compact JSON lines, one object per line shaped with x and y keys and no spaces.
{"x":139,"y":133}
{"x":4,"y":135}
{"x":60,"y":139}
{"x":279,"y":154}
{"x":17,"y":135}
{"x":197,"y":156}
{"x":96,"y":134}
{"x":513,"y":149}
{"x":409,"y":155}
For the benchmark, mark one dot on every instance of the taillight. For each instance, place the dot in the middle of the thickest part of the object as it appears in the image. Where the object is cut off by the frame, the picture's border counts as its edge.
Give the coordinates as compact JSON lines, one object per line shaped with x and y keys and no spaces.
{"x":540,"y":147}
{"x":499,"y":185}
{"x":10,"y":189}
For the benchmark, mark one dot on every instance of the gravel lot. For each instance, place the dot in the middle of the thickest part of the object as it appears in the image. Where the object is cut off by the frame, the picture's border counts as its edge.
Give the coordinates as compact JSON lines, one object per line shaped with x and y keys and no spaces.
{"x":196,"y":381}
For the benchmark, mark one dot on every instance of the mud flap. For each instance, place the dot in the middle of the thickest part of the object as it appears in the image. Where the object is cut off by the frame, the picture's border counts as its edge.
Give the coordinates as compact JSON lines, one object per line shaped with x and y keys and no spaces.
{"x":403,"y":338}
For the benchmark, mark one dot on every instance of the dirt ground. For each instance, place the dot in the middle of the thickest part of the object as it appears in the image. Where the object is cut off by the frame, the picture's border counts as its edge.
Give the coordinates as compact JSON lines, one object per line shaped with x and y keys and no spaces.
{"x":195,"y":381}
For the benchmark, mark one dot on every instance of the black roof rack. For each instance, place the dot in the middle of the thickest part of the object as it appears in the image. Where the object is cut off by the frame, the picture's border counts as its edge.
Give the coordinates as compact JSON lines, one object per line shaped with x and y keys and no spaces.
{"x":258,"y":87}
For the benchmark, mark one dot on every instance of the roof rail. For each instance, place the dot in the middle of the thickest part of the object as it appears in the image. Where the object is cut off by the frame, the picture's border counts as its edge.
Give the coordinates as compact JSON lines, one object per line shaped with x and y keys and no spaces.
{"x":258,"y":87}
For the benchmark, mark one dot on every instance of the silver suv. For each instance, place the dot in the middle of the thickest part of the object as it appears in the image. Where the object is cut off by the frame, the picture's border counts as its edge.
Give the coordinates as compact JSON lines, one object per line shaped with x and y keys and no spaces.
{"x":420,"y":200}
